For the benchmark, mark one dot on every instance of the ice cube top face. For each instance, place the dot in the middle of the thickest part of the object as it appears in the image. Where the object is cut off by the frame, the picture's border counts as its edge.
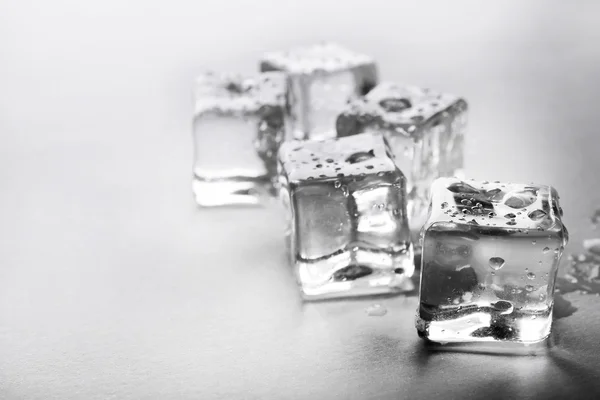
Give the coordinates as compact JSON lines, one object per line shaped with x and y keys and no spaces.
{"x":490,"y":256}
{"x":425,"y":130}
{"x":347,"y":228}
{"x":239,"y":124}
{"x":323,"y":78}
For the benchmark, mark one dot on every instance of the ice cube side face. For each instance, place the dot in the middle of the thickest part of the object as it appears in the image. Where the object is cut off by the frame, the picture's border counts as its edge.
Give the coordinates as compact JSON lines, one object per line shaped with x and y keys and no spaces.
{"x":490,"y":254}
{"x":347,"y":232}
{"x":323,"y":78}
{"x":425,"y":130}
{"x":239,"y":124}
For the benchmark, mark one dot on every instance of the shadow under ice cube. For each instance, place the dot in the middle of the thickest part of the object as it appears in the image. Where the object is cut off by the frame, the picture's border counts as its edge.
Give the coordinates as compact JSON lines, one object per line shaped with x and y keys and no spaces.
{"x":490,"y":256}
{"x":323,"y":78}
{"x":347,"y":229}
{"x":424,"y":128}
{"x":239,"y":124}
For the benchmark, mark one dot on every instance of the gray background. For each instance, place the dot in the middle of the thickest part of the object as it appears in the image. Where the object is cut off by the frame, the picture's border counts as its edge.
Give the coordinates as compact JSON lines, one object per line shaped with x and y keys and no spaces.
{"x":114,"y":286}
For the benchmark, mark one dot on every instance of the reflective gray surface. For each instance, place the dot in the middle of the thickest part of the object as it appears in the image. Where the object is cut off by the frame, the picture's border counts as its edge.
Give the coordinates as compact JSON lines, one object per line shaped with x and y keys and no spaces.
{"x":114,"y":286}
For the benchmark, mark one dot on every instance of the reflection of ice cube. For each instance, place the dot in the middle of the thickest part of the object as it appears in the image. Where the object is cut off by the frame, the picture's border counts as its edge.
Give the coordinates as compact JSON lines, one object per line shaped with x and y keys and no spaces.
{"x":238,"y":127}
{"x":348,"y":232}
{"x":424,"y":128}
{"x":483,"y":255}
{"x":323,"y":78}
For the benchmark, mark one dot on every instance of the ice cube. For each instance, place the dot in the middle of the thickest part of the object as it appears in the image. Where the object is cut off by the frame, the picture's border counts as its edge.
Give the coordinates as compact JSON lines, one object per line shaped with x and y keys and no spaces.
{"x":489,"y":267}
{"x":323,"y":78}
{"x":425,"y":130}
{"x":347,"y":228}
{"x":239,"y":124}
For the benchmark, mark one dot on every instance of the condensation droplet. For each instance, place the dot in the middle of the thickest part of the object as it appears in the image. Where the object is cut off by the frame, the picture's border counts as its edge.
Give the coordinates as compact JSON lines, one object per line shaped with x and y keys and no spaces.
{"x":530,"y":275}
{"x":496,"y":263}
{"x":546,"y":249}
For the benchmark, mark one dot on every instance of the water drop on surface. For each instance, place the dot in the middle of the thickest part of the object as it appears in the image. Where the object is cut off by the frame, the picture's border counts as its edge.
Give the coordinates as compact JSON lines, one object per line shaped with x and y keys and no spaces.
{"x":545,"y":250}
{"x":337,"y":184}
{"x":533,"y":242}
{"x":530,"y":275}
{"x":529,"y":288}
{"x":496,"y":263}
{"x":444,"y":205}
{"x":376,"y":310}
{"x":510,"y":215}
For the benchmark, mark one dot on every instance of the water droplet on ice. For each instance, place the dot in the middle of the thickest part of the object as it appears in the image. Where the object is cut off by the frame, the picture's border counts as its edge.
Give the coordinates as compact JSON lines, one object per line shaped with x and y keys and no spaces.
{"x":505,"y":307}
{"x":536,"y":215}
{"x":496,"y":263}
{"x":395,"y":105}
{"x":360,"y":157}
{"x":461,"y":187}
{"x":521,"y":199}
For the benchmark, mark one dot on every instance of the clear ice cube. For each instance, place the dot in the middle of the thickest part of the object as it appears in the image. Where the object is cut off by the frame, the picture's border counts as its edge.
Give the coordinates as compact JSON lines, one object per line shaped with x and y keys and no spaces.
{"x":239,"y":124}
{"x":424,"y":128}
{"x":490,"y":256}
{"x":347,"y":230}
{"x":323,"y":78}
